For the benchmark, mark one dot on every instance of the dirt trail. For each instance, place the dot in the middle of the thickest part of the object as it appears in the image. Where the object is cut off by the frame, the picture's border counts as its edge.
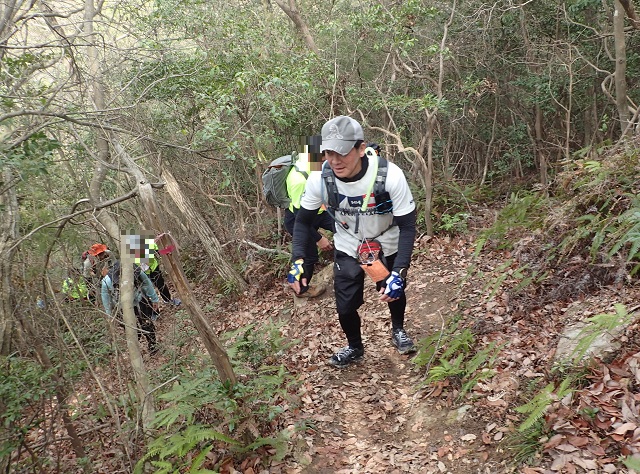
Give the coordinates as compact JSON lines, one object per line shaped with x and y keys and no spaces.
{"x":371,"y":417}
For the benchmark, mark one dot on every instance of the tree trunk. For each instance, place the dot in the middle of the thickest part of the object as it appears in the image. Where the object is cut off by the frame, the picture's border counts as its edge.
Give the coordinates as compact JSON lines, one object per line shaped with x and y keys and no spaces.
{"x":198,"y":224}
{"x":428,"y":173}
{"x":127,"y":288}
{"x":8,"y":235}
{"x":432,"y":117}
{"x":631,"y":13}
{"x":542,"y":160}
{"x":621,"y":67}
{"x":176,"y":273}
{"x":143,"y":387}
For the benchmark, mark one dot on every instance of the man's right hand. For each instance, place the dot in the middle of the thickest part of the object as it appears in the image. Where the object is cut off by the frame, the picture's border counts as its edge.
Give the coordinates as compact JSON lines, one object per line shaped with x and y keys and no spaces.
{"x":295,"y":276}
{"x":324,"y":244}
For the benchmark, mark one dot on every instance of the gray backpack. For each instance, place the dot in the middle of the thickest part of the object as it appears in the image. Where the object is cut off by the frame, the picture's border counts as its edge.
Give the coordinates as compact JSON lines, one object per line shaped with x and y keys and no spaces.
{"x":274,"y":180}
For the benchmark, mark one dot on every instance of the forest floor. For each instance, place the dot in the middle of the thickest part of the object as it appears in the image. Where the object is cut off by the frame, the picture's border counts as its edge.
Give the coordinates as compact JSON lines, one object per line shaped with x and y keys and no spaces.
{"x":373,"y":416}
{"x":377,"y":416}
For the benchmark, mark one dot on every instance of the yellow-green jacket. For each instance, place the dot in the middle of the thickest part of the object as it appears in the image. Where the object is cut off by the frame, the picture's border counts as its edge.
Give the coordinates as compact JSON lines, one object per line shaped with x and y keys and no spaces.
{"x":296,"y":180}
{"x":75,"y":290}
{"x":153,"y":257}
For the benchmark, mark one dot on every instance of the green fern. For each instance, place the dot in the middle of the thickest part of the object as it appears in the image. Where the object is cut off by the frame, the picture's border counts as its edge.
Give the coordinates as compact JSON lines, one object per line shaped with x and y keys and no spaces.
{"x":162,"y":467}
{"x":598,"y":325}
{"x":182,"y":395}
{"x":170,"y":449}
{"x":446,"y":369}
{"x":601,"y":233}
{"x":494,"y":284}
{"x":536,"y":277}
{"x":484,"y":374}
{"x":482,"y":357}
{"x":461,"y":343}
{"x":537,"y":407}
{"x":629,"y":233}
{"x":249,"y":406}
{"x":592,"y":166}
{"x":280,"y":444}
{"x":525,"y":210}
{"x":199,"y":460}
{"x":450,"y":354}
{"x":632,"y":462}
{"x":586,"y":227}
{"x":436,"y":343}
{"x":526,"y":445}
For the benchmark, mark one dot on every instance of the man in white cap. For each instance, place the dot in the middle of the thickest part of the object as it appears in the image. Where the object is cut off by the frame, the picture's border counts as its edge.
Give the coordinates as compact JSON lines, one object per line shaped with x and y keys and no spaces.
{"x":375,"y":215}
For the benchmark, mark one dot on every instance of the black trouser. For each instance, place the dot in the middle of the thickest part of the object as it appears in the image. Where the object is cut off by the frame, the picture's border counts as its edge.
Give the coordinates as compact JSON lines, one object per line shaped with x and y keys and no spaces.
{"x":158,"y":280}
{"x":321,"y":221}
{"x":144,"y":314}
{"x":349,"y":289}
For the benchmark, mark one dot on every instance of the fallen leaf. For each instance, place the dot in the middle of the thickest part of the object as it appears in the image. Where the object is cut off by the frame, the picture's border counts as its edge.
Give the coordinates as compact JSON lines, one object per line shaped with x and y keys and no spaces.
{"x":622,"y":429}
{"x":578,"y":441}
{"x":567,"y":448}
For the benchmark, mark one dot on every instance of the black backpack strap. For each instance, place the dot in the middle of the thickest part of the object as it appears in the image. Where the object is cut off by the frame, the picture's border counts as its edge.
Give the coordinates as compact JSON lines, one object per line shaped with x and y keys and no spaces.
{"x":381,"y":177}
{"x":330,"y":184}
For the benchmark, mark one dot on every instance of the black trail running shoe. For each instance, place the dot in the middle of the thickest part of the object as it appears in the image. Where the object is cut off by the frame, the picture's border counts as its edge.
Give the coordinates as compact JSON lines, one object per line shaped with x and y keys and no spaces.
{"x":345,"y":356}
{"x":402,"y":341}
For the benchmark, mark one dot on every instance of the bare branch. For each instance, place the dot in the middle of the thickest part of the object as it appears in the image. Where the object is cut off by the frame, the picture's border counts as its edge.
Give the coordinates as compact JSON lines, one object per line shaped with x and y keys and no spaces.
{"x":291,"y":10}
{"x":102,"y":205}
{"x":42,"y":113}
{"x":263,"y":249}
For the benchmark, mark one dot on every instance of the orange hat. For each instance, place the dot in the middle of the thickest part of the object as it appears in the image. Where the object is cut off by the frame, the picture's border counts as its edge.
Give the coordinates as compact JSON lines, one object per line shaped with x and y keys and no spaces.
{"x":97,"y":249}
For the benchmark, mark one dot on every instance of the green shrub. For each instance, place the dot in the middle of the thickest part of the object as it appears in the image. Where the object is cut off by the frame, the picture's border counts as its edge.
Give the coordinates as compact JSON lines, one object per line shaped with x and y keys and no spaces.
{"x":452,"y":225}
{"x":452,"y":354}
{"x":203,"y":413}
{"x":24,"y":385}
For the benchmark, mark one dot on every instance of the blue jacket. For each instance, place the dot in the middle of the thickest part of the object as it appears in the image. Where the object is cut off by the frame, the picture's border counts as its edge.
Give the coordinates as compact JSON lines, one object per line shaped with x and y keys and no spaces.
{"x":110,"y":295}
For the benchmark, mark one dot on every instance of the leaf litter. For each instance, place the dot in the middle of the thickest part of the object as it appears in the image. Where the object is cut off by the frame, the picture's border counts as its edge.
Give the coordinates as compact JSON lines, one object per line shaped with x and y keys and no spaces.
{"x":372,"y":417}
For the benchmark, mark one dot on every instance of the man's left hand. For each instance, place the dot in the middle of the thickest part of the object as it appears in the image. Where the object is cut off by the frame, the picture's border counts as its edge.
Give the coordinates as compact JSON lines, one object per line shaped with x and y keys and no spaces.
{"x":393,"y":289}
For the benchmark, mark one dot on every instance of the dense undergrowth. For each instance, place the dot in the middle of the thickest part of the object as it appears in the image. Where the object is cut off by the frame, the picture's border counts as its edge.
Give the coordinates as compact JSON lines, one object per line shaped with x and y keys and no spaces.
{"x":552,"y":250}
{"x":206,"y":423}
{"x":583,"y":235}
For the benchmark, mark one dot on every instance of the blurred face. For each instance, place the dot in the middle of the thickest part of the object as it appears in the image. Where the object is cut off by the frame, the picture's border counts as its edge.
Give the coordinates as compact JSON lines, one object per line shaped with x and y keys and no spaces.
{"x":346,"y":166}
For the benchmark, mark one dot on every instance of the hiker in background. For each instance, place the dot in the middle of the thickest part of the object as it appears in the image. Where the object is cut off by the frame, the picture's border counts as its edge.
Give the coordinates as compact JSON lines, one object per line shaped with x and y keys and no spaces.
{"x":95,"y":264}
{"x":374,"y":235}
{"x":296,"y":181}
{"x":145,"y":301}
{"x":151,"y":266}
{"x":375,"y":147}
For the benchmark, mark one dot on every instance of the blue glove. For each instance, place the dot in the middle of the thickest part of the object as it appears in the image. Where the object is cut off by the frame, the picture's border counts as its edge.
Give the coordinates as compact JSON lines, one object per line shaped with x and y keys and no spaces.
{"x":394,"y":285}
{"x":296,"y":271}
